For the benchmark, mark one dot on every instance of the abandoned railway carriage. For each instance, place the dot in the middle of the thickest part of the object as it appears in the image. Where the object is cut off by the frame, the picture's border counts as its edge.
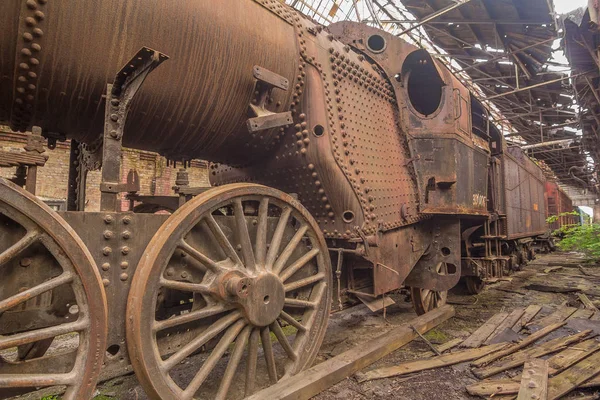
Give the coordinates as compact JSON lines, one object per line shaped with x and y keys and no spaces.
{"x":343,"y":147}
{"x":559,"y":205}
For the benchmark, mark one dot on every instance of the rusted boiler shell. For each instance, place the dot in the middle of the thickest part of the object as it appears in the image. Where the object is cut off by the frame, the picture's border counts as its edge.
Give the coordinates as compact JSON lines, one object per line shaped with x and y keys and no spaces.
{"x":58,"y":55}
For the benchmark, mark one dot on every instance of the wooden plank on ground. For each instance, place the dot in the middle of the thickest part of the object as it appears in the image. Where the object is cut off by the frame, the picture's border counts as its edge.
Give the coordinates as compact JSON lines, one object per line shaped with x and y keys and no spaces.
{"x":316,"y":379}
{"x":509,"y":386}
{"x":550,"y":269}
{"x":534,"y":380}
{"x":582,"y":314}
{"x":508,"y":323}
{"x":494,"y":388}
{"x":592,"y":383}
{"x":484,"y":331}
{"x":563,"y":360}
{"x":449,"y":345}
{"x":522,"y":356}
{"x":534,"y":337}
{"x":573,"y":377}
{"x":530,"y":312}
{"x":562,"y":313}
{"x":429,"y":363}
{"x":444,"y":347}
{"x":587,"y":303}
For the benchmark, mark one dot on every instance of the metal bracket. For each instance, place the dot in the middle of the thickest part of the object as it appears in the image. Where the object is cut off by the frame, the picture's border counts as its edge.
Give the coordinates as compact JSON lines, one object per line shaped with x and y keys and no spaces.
{"x":118,"y":101}
{"x":264,"y":119}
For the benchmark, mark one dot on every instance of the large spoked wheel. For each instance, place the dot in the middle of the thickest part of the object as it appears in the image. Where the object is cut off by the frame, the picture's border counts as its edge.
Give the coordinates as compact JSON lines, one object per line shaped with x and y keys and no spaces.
{"x":474,"y":284}
{"x":52,"y":301}
{"x":425,"y":300}
{"x":235,"y":266}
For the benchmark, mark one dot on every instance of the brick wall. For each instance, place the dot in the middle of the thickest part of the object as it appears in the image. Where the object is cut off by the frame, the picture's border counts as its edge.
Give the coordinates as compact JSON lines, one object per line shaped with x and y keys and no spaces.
{"x":155,"y":177}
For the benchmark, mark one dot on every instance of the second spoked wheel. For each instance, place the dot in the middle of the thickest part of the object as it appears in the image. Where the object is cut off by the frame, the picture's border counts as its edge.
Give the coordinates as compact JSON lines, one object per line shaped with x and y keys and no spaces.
{"x":425,"y":300}
{"x":232,"y":294}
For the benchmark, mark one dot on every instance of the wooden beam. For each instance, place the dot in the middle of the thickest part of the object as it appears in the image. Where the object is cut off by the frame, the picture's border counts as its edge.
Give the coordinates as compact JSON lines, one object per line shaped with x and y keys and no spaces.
{"x":510,"y":386}
{"x":563,"y":360}
{"x":430,"y":363}
{"x":508,"y":323}
{"x":494,"y":388}
{"x":522,"y":356}
{"x":534,"y":337}
{"x":530,"y":312}
{"x":484,"y":331}
{"x":587,"y":303}
{"x":314,"y":380}
{"x":573,"y":377}
{"x":581,"y":314}
{"x":534,"y":380}
{"x":561,"y":314}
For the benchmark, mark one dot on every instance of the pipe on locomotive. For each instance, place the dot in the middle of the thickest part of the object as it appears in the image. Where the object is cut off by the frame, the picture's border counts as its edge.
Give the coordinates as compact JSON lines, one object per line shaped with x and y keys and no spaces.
{"x":57,"y":57}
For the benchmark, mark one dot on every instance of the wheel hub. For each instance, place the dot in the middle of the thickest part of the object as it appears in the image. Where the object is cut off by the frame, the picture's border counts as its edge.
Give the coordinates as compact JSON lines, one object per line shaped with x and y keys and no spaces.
{"x":261,"y":297}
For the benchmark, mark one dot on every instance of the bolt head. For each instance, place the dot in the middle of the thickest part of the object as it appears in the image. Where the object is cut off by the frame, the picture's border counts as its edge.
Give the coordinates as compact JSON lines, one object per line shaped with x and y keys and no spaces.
{"x":25,"y":262}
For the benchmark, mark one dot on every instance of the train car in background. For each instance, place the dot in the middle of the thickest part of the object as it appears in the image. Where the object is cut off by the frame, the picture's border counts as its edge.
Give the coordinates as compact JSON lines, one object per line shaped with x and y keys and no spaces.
{"x":560,"y":205}
{"x":516,"y":206}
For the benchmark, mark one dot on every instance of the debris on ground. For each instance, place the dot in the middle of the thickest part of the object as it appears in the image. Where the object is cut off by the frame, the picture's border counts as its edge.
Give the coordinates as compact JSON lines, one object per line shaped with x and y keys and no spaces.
{"x":567,"y":336}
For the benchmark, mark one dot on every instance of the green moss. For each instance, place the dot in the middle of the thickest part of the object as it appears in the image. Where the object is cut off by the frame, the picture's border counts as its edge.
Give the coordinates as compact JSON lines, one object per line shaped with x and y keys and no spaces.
{"x":52,"y":397}
{"x":436,"y":336}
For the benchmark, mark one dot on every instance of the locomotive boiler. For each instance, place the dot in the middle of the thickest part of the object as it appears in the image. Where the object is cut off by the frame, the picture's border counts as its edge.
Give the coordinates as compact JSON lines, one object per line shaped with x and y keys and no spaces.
{"x":341,"y":146}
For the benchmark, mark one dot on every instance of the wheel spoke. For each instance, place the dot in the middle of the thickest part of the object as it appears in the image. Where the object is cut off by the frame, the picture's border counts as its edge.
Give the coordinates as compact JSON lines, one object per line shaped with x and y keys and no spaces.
{"x":213,"y":359}
{"x":289,"y":249}
{"x":206,"y":261}
{"x":234,"y":362}
{"x":299,"y":263}
{"x":431,"y":300}
{"x":28,"y":294}
{"x":309,"y":318}
{"x":299,"y":303}
{"x":36,"y":380}
{"x":280,"y":335}
{"x":185,"y":286}
{"x":265,"y":337}
{"x":260,"y":249}
{"x":189,"y":317}
{"x":19,"y":339}
{"x":304,"y":282}
{"x":210,"y":332}
{"x":243,"y":235}
{"x":277,"y":237}
{"x":251,"y":363}
{"x":292,"y":321}
{"x":222,"y":239}
{"x":16,"y":249}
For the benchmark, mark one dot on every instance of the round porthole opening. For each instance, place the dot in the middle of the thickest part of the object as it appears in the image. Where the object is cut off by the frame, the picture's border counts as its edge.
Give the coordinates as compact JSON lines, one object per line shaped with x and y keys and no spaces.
{"x":376,"y":43}
{"x":318,"y":130}
{"x":348,"y":216}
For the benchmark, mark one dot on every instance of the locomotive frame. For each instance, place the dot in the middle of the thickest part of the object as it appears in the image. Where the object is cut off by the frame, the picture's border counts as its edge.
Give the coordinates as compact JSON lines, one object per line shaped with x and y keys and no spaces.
{"x":394,"y":202}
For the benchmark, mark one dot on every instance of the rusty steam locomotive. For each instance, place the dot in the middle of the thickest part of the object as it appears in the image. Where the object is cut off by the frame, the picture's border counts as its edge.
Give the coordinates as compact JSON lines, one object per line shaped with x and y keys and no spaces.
{"x":341,"y":146}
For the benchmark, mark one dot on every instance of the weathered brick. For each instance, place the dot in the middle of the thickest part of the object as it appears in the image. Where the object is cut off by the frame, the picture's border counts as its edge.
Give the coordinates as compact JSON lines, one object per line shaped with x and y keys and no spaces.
{"x":155,"y":177}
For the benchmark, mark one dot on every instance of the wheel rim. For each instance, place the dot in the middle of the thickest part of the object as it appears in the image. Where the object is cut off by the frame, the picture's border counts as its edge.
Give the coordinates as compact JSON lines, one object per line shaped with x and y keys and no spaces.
{"x":425,"y":300}
{"x":474,"y":284}
{"x":58,"y":266}
{"x":257,"y":266}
